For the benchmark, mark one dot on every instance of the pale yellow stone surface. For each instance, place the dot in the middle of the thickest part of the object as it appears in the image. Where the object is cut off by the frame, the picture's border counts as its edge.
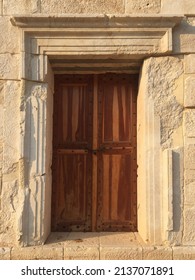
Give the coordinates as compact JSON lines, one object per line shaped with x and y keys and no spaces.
{"x":189,"y":193}
{"x":83,"y":6}
{"x":189,"y":96}
{"x":184,"y":253}
{"x":4,"y":253}
{"x":9,"y":66}
{"x":157,"y":253}
{"x":178,"y":7}
{"x":80,"y":239}
{"x":189,"y":226}
{"x":189,"y":159}
{"x":189,"y":64}
{"x":37,"y":253}
{"x":120,"y":253}
{"x":81,"y":253}
{"x":189,"y":123}
{"x":117,"y":239}
{"x":9,"y":36}
{"x":142,"y":6}
{"x":11,"y":7}
{"x":11,"y":125}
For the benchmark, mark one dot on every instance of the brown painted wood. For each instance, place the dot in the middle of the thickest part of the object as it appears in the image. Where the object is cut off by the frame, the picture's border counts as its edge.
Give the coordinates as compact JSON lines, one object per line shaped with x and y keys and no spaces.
{"x":94,"y":153}
{"x":72,"y":163}
{"x":117,"y":172}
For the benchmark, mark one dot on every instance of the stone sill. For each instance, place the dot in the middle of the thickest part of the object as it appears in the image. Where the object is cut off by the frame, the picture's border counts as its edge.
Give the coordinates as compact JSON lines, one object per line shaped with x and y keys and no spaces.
{"x":97,"y":246}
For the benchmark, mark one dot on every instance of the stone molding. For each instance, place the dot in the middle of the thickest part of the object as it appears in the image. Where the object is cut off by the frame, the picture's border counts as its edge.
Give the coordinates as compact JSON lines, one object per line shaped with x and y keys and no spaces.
{"x":124,"y":37}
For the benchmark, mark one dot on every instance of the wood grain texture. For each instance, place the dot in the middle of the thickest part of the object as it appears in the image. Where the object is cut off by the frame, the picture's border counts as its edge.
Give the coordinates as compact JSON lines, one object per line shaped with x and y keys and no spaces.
{"x":94,"y":153}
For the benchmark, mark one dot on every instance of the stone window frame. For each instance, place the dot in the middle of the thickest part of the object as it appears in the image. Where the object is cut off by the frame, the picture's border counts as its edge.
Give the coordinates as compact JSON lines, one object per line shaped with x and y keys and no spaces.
{"x":107,"y":36}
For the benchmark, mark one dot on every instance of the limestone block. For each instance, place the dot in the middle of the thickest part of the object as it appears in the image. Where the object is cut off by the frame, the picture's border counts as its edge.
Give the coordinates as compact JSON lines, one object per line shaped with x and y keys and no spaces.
{"x":142,"y":6}
{"x":87,"y":239}
{"x":189,"y":96}
{"x":189,"y":176}
{"x":1,"y":122}
{"x":189,"y":64}
{"x":81,"y":253}
{"x":189,"y":123}
{"x":1,"y":6}
{"x":189,"y":158}
{"x":189,"y":226}
{"x":11,"y":127}
{"x":4,"y":253}
{"x":9,"y":66}
{"x":177,"y":7}
{"x":9,"y":36}
{"x":184,"y":253}
{"x":82,"y":6}
{"x":120,"y":253}
{"x":118,"y":239}
{"x":189,"y":193}
{"x":11,"y":7}
{"x":157,"y":253}
{"x":37,"y":253}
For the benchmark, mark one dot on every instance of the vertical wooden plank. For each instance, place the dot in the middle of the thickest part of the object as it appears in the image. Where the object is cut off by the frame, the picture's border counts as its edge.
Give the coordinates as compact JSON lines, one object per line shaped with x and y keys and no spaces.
{"x":95,"y":157}
{"x":115,"y":115}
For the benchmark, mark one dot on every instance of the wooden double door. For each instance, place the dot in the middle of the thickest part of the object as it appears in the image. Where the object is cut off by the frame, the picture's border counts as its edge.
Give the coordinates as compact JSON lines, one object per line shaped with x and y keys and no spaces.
{"x":94,"y":153}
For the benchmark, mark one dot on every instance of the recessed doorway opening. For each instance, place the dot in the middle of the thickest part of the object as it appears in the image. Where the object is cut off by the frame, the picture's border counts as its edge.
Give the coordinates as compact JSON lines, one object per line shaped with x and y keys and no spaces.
{"x":94,"y":167}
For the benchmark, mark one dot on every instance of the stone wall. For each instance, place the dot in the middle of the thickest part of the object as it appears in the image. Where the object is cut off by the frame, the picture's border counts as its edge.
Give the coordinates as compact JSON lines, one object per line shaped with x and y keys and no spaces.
{"x":167,"y":81}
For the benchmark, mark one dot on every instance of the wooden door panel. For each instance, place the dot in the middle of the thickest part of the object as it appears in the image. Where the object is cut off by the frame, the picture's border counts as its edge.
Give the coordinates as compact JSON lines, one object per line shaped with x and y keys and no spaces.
{"x":117,"y":169}
{"x":72,"y":192}
{"x":72,"y":164}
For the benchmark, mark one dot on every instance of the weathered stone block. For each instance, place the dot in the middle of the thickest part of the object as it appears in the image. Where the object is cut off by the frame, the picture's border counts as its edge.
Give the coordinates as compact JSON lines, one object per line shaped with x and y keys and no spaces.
{"x":142,"y":6}
{"x":189,"y":226}
{"x":189,"y":176}
{"x":189,"y":123}
{"x":189,"y":193}
{"x":11,"y":7}
{"x":85,"y":6}
{"x":177,"y":7}
{"x":184,"y":253}
{"x":189,"y":96}
{"x":4,"y":253}
{"x":118,"y":239}
{"x":9,"y":66}
{"x":189,"y":64}
{"x":189,"y":158}
{"x":11,"y":121}
{"x":81,"y":253}
{"x":9,"y":39}
{"x":87,"y":239}
{"x":157,"y":253}
{"x":120,"y":253}
{"x":37,"y":253}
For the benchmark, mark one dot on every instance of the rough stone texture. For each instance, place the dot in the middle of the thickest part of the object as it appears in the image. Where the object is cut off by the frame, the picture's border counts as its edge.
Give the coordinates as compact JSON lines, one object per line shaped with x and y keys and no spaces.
{"x":1,"y":6}
{"x":81,"y":253}
{"x":4,"y":253}
{"x":189,"y":64}
{"x":88,"y":239}
{"x":11,"y":120}
{"x":157,"y":253}
{"x":37,"y":253}
{"x":189,"y":123}
{"x":142,"y":6}
{"x":184,"y":37}
{"x":1,"y":123}
{"x":9,"y":40}
{"x":189,"y":96}
{"x":9,"y":66}
{"x":184,"y":253}
{"x":189,"y":162}
{"x":189,"y":226}
{"x":11,"y":7}
{"x":82,"y":6}
{"x":177,"y":7}
{"x":118,"y":239}
{"x":120,"y":253}
{"x":189,"y":193}
{"x":162,"y":76}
